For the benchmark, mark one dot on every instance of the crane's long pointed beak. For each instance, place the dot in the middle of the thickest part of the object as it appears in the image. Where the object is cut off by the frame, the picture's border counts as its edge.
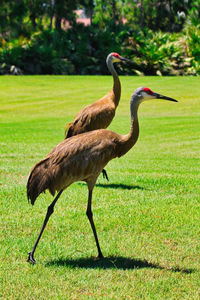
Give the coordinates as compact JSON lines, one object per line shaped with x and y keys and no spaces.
{"x":126,"y":60}
{"x":158,"y":96}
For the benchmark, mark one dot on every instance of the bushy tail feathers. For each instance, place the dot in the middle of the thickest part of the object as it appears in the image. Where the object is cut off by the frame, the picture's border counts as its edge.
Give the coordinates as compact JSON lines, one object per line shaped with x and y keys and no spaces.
{"x":68,"y":131}
{"x":39,"y":180}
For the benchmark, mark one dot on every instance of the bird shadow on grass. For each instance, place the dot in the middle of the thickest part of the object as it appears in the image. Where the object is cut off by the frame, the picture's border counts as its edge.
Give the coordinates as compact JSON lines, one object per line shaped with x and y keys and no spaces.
{"x":112,"y":262}
{"x":120,"y":186}
{"x":117,"y":186}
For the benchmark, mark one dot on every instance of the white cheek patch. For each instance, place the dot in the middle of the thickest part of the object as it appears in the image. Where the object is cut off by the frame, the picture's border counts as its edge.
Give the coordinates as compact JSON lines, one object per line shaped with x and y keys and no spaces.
{"x":147,"y":96}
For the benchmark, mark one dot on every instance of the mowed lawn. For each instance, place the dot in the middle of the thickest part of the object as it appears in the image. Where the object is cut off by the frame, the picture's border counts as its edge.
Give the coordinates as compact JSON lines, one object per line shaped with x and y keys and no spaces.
{"x":147,"y":216}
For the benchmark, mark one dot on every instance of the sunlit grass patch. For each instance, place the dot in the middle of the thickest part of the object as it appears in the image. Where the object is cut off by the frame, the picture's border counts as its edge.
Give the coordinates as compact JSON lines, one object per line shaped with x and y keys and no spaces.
{"x":147,"y":215}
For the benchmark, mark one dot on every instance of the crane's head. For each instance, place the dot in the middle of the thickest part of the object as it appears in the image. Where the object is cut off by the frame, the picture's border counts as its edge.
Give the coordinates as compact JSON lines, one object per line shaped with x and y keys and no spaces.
{"x":115,"y":57}
{"x":144,"y":93}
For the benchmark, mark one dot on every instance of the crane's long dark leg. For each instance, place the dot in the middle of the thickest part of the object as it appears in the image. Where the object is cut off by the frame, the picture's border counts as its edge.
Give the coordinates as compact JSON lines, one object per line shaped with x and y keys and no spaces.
{"x":105,"y":174}
{"x":90,"y":217}
{"x":50,"y":210}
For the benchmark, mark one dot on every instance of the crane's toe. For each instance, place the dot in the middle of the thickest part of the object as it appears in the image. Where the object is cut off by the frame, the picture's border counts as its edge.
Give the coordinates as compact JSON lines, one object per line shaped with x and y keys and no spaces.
{"x":31,"y":258}
{"x":100,"y":255}
{"x":105,"y":174}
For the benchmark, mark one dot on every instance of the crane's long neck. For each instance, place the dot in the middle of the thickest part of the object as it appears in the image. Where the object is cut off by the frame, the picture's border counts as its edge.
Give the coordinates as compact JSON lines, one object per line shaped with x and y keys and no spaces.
{"x":116,"y":90}
{"x":129,"y":140}
{"x":134,"y":131}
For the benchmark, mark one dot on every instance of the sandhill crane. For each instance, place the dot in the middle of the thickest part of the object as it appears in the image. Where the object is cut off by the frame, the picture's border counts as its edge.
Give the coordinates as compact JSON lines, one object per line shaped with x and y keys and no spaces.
{"x":100,"y":113}
{"x":82,"y":158}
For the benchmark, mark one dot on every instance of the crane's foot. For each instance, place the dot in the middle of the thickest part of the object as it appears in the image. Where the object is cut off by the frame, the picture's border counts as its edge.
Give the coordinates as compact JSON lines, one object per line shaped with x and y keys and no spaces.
{"x":31,"y":258}
{"x":100,"y":255}
{"x":105,"y":174}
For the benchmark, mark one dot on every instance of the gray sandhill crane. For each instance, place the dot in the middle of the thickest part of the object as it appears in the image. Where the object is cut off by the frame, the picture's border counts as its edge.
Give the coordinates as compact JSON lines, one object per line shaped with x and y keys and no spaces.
{"x":82,"y":158}
{"x":99,"y":114}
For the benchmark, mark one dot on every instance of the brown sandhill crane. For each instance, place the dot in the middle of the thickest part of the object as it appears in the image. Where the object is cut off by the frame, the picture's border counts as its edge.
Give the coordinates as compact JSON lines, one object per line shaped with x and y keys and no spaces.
{"x":100,"y":113}
{"x":82,"y":158}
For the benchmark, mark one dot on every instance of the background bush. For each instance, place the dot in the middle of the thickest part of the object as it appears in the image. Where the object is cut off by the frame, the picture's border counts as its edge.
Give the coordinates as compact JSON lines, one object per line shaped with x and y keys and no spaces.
{"x":82,"y":50}
{"x":32,"y":45}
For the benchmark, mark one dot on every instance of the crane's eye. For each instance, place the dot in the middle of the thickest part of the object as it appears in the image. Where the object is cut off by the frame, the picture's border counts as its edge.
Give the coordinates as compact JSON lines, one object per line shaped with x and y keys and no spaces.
{"x":148,"y":91}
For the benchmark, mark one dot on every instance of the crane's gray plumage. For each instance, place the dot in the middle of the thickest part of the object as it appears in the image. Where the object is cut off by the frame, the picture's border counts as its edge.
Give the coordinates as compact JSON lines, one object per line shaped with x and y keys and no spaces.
{"x":82,"y":158}
{"x":99,"y":114}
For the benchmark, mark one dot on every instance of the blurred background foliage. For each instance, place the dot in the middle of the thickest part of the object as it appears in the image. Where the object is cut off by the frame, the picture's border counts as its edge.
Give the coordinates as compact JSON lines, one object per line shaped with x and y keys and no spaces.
{"x":44,"y":36}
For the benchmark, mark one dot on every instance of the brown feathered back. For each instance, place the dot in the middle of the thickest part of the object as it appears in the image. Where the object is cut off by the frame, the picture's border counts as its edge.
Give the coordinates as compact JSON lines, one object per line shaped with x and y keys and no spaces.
{"x":79,"y":158}
{"x":96,"y":115}
{"x":88,"y":120}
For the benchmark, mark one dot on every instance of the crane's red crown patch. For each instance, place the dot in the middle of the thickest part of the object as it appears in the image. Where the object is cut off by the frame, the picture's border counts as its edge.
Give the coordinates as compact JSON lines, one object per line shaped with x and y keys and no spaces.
{"x":147,"y":90}
{"x":115,"y":54}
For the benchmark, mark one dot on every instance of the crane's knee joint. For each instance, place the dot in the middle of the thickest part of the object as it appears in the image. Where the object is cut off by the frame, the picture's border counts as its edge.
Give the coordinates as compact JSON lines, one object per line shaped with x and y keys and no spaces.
{"x":50,"y":209}
{"x":89,"y":213}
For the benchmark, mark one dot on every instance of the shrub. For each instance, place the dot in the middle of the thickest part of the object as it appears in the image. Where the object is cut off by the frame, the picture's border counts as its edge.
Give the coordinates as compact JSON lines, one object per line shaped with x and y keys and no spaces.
{"x":82,"y":50}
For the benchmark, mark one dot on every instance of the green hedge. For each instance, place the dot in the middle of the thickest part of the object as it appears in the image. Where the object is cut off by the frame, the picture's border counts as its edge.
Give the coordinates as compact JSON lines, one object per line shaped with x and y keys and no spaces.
{"x":82,"y":50}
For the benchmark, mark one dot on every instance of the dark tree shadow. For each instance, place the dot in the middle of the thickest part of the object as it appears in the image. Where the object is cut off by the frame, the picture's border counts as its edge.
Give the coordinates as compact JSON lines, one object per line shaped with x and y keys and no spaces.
{"x":117,"y":186}
{"x":112,"y":262}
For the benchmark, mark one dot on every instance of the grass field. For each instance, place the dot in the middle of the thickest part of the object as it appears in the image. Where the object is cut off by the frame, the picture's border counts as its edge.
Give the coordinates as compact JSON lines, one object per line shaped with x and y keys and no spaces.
{"x":147,"y":215}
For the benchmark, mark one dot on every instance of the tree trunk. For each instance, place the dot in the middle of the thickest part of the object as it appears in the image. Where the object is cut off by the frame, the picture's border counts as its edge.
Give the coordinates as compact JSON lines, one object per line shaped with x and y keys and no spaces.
{"x":33,"y":20}
{"x":114,"y":11}
{"x":170,"y":16}
{"x":52,"y":14}
{"x":58,"y":23}
{"x":91,"y":14}
{"x":141,"y":14}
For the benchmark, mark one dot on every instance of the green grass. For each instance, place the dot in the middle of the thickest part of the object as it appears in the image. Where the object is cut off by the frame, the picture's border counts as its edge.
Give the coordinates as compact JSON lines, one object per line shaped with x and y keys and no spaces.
{"x":147,"y":215}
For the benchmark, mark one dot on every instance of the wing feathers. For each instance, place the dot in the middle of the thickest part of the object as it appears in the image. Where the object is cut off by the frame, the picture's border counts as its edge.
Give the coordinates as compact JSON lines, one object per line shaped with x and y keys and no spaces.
{"x":39,"y":180}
